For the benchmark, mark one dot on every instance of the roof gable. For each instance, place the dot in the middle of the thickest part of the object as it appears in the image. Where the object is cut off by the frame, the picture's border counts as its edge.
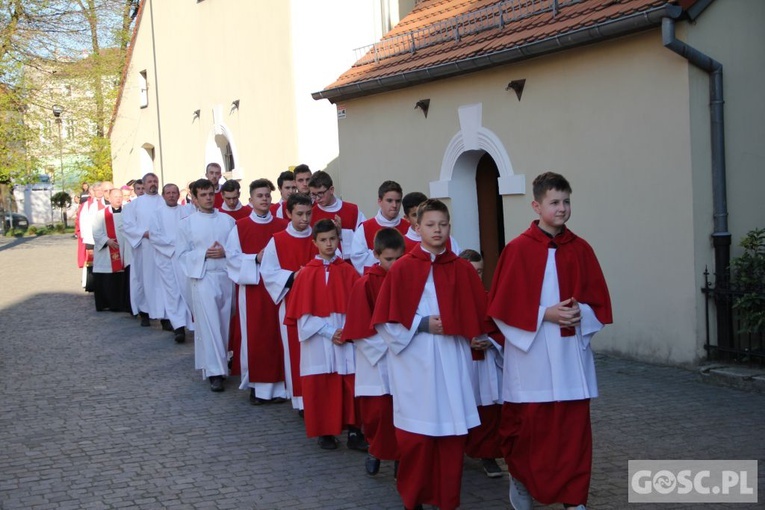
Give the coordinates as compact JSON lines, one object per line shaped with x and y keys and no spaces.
{"x":442,"y":38}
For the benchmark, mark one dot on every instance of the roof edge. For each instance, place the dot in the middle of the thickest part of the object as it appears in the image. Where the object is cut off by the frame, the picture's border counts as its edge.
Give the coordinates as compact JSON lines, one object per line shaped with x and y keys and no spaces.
{"x":126,"y":66}
{"x":637,"y":22}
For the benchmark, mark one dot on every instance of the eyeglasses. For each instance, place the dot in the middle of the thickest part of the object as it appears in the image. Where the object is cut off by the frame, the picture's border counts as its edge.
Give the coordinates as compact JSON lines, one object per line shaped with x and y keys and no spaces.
{"x":319,"y":195}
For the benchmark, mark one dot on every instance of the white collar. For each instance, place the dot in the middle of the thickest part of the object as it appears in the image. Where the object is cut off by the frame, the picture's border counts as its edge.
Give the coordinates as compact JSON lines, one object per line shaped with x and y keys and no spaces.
{"x":385,"y":222}
{"x":261,"y":219}
{"x":432,"y":255}
{"x":332,"y":208}
{"x":294,"y":233}
{"x":225,"y":207}
{"x":413,"y":235}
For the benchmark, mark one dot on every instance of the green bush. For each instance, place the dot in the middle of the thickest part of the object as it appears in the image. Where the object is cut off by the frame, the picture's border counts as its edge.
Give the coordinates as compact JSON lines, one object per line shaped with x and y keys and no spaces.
{"x":32,"y":230}
{"x":748,"y":278}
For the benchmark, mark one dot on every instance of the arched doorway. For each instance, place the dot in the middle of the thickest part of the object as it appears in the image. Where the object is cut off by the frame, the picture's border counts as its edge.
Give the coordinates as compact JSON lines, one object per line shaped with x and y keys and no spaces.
{"x":491,"y":219}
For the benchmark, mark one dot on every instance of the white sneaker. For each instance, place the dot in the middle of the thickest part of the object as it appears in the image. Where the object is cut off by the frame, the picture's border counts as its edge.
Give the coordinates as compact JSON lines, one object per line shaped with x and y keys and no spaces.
{"x":520,"y":499}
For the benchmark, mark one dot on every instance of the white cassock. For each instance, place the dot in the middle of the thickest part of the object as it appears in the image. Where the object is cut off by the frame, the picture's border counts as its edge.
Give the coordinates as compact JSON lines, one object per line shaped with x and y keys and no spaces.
{"x":429,"y":375}
{"x":87,"y":219}
{"x":176,"y":292}
{"x":372,"y":378}
{"x":145,"y":292}
{"x":487,"y":376}
{"x":275,"y":278}
{"x":361,"y":255}
{"x":543,"y":366}
{"x":211,"y":288}
{"x":412,"y":235}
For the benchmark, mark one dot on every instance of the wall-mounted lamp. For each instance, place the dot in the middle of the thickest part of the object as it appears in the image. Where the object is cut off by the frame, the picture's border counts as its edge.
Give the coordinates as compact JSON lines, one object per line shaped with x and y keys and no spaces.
{"x":424,"y":105}
{"x":234,"y":105}
{"x":517,"y":86}
{"x":195,"y":115}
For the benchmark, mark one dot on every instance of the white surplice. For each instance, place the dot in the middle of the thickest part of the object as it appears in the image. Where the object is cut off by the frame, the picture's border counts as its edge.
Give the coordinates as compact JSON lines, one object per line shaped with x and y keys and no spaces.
{"x":145,"y":292}
{"x":176,"y":290}
{"x":542,"y":365}
{"x":102,"y":262}
{"x":429,"y":375}
{"x":211,"y":288}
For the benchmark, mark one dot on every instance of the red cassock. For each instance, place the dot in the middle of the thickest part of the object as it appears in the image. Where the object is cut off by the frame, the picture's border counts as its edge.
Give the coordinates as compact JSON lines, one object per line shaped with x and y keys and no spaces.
{"x":265,"y":354}
{"x":328,"y":398}
{"x":293,"y":253}
{"x":548,"y":445}
{"x":349,"y":215}
{"x":218,"y":199}
{"x":376,"y":411}
{"x":371,"y":227}
{"x":81,"y":255}
{"x":275,"y":210}
{"x":240,"y":213}
{"x":431,"y":467}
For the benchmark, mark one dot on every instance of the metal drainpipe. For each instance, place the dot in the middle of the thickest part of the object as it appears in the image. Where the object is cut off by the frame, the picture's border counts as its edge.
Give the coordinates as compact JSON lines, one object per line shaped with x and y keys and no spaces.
{"x":721,"y":238}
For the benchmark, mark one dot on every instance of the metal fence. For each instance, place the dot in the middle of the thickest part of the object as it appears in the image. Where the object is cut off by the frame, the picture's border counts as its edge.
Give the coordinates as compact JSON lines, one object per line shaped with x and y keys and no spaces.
{"x":453,"y":29}
{"x":731,"y":341}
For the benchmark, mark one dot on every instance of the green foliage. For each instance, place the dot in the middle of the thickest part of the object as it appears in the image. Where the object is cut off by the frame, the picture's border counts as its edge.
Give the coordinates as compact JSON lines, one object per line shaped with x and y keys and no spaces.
{"x":748,"y":277}
{"x":62,"y":200}
{"x":32,"y":230}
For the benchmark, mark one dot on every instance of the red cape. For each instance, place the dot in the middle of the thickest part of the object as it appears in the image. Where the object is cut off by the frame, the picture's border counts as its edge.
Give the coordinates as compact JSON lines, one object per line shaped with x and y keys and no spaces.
{"x":313,"y":294}
{"x":517,"y":287}
{"x":358,"y":322}
{"x":461,"y":296}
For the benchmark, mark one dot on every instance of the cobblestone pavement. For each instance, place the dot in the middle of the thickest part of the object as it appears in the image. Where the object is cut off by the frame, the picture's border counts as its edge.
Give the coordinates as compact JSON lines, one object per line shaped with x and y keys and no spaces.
{"x":97,"y":412}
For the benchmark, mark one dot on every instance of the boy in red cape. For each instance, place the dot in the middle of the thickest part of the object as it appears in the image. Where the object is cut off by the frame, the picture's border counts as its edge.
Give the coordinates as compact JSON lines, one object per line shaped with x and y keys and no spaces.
{"x":318,"y":306}
{"x":372,"y":380}
{"x":548,"y":298}
{"x":259,"y":353}
{"x":432,"y":303}
{"x":346,"y":215}
{"x":284,"y":256}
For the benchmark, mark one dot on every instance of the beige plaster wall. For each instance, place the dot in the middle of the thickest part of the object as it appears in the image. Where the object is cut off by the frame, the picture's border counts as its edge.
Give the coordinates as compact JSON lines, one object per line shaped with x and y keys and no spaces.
{"x":268,"y":55}
{"x":613,"y":118}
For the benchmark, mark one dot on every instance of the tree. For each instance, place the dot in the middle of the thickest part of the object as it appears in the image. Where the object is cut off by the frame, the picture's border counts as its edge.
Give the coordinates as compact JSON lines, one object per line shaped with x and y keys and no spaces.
{"x":45,"y":44}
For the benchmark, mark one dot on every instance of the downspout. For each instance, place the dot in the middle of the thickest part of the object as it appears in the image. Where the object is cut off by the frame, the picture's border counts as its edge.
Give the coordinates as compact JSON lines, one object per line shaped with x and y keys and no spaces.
{"x":721,"y":238}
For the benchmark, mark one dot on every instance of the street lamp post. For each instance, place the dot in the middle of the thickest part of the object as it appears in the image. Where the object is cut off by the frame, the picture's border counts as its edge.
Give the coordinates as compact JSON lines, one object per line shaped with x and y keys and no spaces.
{"x":57,"y":111}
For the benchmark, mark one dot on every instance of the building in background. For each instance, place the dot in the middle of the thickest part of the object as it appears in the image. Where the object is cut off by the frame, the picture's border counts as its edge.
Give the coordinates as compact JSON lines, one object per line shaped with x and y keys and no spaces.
{"x":231,"y":82}
{"x":468,"y":101}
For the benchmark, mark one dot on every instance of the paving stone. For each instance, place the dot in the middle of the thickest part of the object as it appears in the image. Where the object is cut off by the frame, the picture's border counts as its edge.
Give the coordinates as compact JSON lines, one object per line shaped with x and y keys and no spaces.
{"x":98,"y":412}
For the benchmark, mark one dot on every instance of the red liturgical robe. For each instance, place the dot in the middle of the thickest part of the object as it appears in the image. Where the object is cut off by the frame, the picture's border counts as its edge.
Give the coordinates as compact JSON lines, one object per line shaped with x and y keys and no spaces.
{"x":315,"y":294}
{"x":238,"y":214}
{"x":461,"y":312}
{"x":264,"y":348}
{"x":517,"y":286}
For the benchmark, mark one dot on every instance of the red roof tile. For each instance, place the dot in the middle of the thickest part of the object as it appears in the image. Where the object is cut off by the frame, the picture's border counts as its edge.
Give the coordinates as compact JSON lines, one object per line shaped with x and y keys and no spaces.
{"x":431,"y":26}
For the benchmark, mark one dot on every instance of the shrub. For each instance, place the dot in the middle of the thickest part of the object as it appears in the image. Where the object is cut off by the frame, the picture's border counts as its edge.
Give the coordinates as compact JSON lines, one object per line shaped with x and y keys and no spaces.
{"x":748,"y":278}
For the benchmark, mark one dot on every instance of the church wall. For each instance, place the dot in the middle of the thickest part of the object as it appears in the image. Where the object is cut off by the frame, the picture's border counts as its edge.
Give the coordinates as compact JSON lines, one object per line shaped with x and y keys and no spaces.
{"x":614,"y":119}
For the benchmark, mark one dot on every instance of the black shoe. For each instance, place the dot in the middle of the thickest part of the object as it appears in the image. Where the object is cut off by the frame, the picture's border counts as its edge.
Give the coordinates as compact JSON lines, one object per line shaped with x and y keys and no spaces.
{"x":372,"y":465}
{"x":166,"y":326}
{"x":327,"y":443}
{"x":145,"y":322}
{"x":356,"y":441}
{"x":395,"y":470}
{"x":491,"y":468}
{"x":278,"y":400}
{"x":255,"y":400}
{"x":301,"y":413}
{"x":180,"y":335}
{"x":216,"y":383}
